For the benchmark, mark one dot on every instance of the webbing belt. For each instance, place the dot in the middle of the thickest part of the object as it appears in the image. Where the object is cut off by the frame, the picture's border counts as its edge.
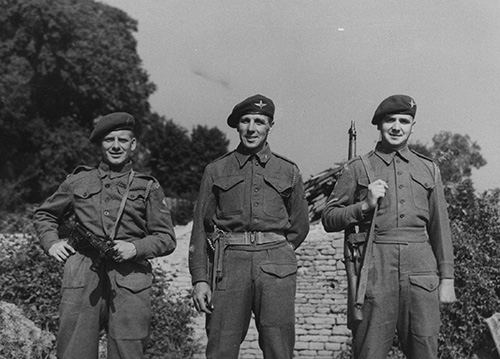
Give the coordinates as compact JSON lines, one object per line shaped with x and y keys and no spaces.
{"x":251,"y":238}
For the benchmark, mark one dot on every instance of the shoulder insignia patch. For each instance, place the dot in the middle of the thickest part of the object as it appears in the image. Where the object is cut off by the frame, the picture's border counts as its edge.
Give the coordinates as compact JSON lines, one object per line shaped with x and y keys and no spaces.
{"x":165,"y":208}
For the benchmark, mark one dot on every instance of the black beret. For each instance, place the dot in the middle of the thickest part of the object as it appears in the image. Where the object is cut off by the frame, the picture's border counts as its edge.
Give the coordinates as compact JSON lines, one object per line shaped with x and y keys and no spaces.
{"x":257,"y":104}
{"x":111,"y":122}
{"x":395,"y":104}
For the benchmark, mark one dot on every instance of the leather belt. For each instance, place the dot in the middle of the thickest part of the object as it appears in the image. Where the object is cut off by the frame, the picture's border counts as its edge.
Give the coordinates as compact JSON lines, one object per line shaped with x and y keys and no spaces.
{"x":253,"y":238}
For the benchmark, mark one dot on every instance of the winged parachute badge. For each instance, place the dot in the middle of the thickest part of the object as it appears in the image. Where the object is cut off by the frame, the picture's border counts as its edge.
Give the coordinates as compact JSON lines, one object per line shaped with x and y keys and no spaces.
{"x":260,"y":104}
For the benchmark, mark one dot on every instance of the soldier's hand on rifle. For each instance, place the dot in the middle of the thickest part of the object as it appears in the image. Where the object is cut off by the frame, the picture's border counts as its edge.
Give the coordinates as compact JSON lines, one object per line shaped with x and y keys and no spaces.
{"x":447,"y":291}
{"x":376,"y":190}
{"x":202,"y":297}
{"x":61,"y":251}
{"x":123,"y":251}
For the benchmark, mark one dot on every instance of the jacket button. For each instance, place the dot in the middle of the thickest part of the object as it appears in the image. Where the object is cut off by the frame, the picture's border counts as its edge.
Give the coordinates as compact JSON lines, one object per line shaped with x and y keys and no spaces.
{"x":106,"y":213}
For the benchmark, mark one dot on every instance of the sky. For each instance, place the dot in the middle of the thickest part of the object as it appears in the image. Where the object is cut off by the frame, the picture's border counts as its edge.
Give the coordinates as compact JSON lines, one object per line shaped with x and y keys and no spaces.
{"x":325,"y":63}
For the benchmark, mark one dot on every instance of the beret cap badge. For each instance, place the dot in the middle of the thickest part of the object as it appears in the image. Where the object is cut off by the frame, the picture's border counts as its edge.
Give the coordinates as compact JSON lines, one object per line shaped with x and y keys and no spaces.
{"x":256,"y":104}
{"x":395,"y":104}
{"x":111,"y":122}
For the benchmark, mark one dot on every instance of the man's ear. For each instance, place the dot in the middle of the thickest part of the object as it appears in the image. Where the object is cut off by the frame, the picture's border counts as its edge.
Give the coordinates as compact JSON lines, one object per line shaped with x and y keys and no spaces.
{"x":133,"y":145}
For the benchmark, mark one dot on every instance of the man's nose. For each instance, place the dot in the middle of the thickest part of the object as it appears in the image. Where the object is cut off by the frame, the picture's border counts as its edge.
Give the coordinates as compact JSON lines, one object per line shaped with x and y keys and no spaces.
{"x":396,"y":126}
{"x":251,"y":126}
{"x":116,"y":144}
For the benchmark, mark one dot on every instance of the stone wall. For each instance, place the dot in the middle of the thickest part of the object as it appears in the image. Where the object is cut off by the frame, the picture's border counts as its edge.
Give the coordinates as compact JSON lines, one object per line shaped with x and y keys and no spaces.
{"x":321,"y":296}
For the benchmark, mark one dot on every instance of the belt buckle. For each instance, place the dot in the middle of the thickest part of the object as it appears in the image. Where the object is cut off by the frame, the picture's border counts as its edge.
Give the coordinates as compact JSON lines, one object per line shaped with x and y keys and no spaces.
{"x":253,"y":237}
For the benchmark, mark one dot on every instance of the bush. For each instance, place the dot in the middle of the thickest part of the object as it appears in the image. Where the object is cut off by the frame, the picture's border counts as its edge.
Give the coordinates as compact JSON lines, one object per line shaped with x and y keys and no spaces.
{"x":31,"y":280}
{"x":172,"y":332}
{"x":464,"y":332}
{"x":19,"y":221}
{"x":181,"y":211}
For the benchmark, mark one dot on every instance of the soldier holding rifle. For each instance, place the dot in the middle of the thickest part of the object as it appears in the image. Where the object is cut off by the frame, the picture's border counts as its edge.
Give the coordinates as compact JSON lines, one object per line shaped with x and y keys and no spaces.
{"x":122,"y":220}
{"x":250,"y":216}
{"x":401,"y":256}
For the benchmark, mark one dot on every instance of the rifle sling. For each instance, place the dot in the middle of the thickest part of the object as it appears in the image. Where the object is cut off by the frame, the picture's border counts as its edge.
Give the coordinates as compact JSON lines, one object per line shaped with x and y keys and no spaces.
{"x":122,"y":206}
{"x":368,"y":253}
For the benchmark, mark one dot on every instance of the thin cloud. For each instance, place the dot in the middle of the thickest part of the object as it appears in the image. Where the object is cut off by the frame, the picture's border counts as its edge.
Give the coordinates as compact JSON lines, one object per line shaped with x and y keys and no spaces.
{"x":212,"y":79}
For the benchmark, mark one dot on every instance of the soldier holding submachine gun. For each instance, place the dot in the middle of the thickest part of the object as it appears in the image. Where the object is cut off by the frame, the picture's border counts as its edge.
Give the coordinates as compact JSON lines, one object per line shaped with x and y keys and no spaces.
{"x":122,"y":220}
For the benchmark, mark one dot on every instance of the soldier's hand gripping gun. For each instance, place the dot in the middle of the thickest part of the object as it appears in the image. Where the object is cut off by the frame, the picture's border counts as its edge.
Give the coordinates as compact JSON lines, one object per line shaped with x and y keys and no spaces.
{"x":80,"y":237}
{"x":103,"y":246}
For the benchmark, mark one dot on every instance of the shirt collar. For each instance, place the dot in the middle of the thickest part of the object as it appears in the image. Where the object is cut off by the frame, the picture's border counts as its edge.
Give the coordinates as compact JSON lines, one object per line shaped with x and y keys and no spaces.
{"x":242,"y":156}
{"x":387,"y":154}
{"x":105,"y":170}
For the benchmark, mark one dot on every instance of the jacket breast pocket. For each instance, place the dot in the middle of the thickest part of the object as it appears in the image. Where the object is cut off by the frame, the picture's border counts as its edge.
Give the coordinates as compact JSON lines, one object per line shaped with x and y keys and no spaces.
{"x":229,"y":193}
{"x":422,"y":186}
{"x":87,"y":192}
{"x":276,"y":194}
{"x":137,"y":200}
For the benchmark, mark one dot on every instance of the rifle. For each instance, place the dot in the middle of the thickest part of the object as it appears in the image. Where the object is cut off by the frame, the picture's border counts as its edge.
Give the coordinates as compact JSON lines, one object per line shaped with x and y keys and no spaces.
{"x":352,"y":252}
{"x":358,"y":248}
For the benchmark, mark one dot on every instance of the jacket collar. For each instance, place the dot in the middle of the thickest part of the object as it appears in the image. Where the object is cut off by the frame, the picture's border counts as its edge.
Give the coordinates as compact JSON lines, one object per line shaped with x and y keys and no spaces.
{"x":262,"y":156}
{"x":388,"y":154}
{"x":105,"y":170}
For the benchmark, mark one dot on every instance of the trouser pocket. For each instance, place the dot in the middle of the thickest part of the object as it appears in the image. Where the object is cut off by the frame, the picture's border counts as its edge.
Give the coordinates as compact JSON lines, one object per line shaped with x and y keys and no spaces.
{"x":424,"y":304}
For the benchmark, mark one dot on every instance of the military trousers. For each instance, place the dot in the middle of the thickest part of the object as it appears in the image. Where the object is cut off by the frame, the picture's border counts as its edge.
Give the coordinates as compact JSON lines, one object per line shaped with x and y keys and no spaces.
{"x":111,"y":297}
{"x":402,"y":297}
{"x":259,"y":281}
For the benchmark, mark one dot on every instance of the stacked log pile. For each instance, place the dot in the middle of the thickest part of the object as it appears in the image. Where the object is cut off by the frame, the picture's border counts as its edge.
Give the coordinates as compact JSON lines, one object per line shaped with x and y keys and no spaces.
{"x":318,"y":188}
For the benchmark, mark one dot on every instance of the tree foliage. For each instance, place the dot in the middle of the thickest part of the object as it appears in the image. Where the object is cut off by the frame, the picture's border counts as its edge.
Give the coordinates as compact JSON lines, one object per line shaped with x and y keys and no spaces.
{"x":62,"y":64}
{"x":178,"y":158}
